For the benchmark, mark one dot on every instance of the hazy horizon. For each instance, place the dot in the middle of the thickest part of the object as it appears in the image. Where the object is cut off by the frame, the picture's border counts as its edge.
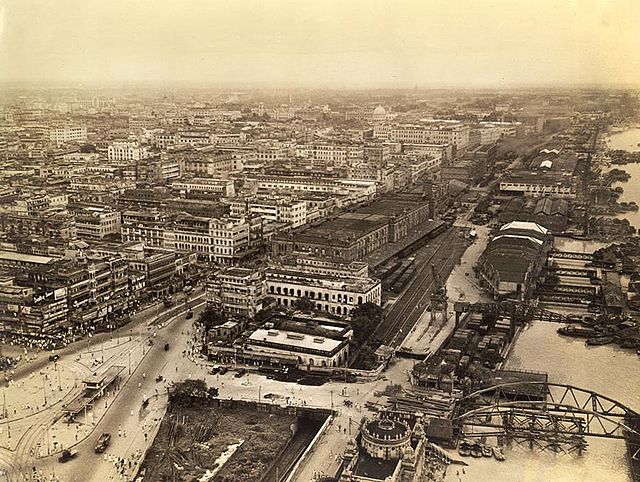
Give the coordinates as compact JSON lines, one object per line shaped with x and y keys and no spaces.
{"x":357,"y":44}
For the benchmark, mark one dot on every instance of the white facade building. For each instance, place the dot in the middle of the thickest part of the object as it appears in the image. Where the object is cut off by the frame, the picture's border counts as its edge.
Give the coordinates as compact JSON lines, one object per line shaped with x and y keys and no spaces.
{"x":126,"y":151}
{"x":60,"y":135}
{"x":336,"y":295}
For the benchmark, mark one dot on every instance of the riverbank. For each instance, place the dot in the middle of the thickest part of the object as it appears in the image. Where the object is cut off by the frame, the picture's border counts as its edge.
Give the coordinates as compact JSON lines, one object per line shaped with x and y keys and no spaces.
{"x":628,"y":140}
{"x":607,"y":370}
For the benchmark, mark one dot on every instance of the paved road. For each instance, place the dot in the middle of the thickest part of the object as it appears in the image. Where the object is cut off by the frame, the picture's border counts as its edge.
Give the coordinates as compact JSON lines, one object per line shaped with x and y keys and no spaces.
{"x":128,"y":414}
{"x":31,"y":433}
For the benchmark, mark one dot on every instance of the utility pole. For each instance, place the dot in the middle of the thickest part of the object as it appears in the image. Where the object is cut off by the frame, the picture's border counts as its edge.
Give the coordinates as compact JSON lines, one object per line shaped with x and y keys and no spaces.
{"x":58,"y":370}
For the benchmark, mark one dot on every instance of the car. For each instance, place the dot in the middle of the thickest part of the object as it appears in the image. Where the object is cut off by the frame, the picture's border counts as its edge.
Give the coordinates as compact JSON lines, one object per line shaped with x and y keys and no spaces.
{"x":54,"y":357}
{"x":240,"y":372}
{"x":189,"y":314}
{"x":223,"y":370}
{"x":159,"y":378}
{"x":67,"y":455}
{"x":102,"y":443}
{"x":214,"y":370}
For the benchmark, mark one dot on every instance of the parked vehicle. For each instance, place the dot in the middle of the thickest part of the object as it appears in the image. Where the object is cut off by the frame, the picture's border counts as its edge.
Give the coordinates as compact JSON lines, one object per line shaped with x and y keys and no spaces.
{"x":214,"y":370}
{"x":67,"y":455}
{"x":240,"y":373}
{"x":223,"y":370}
{"x":159,"y":378}
{"x":54,"y":357}
{"x":189,"y":314}
{"x":102,"y":443}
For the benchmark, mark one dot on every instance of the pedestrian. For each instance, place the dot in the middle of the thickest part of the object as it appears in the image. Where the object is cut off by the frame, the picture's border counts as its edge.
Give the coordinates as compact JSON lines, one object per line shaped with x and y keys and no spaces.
{"x":145,"y":436}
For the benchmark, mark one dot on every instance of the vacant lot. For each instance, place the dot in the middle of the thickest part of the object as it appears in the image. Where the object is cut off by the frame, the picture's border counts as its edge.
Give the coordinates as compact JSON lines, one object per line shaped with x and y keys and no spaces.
{"x":192,"y":438}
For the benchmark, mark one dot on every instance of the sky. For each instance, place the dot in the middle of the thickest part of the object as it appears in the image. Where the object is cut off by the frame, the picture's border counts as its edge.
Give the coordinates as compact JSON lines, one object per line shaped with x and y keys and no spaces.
{"x":324,"y":43}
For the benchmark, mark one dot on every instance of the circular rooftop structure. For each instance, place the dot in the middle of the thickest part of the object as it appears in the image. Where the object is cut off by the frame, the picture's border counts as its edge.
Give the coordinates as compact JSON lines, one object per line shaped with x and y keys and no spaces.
{"x":384,"y":438}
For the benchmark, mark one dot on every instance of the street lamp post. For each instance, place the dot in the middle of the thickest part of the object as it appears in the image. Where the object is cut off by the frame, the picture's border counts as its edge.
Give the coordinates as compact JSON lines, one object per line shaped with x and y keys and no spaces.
{"x":44,"y":388}
{"x":129,"y":362}
{"x":58,"y":370}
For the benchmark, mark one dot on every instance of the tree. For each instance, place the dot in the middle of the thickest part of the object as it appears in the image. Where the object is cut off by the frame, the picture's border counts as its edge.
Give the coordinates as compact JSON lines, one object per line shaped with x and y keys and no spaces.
{"x":365,"y":319}
{"x":211,"y":317}
{"x":87,"y":148}
{"x":304,"y":304}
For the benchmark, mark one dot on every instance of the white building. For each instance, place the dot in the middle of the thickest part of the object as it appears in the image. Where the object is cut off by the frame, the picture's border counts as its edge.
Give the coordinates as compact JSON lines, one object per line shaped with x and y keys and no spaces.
{"x":430,"y":132}
{"x":94,"y":222}
{"x":336,"y":295}
{"x":126,"y":151}
{"x":309,"y":349}
{"x":60,"y":135}
{"x":286,"y":210}
{"x":221,"y":187}
{"x":237,"y":290}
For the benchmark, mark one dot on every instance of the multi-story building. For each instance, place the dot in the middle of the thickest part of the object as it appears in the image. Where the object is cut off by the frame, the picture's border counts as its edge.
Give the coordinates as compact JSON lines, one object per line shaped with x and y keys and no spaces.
{"x":237,"y":290}
{"x":330,"y":153}
{"x":126,"y":151}
{"x":290,"y":211}
{"x":207,"y":163}
{"x":429,"y":132}
{"x":329,"y":266}
{"x":336,"y":295}
{"x":354,"y":191}
{"x":96,"y":222}
{"x":353,"y":235}
{"x":157,"y":169}
{"x":204,"y":187}
{"x":26,"y":310}
{"x":60,"y":135}
{"x":50,"y":225}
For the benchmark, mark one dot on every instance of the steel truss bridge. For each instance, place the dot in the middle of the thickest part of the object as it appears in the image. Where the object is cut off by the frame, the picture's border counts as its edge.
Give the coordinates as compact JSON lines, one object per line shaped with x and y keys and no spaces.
{"x":547,"y":416}
{"x":517,"y":311}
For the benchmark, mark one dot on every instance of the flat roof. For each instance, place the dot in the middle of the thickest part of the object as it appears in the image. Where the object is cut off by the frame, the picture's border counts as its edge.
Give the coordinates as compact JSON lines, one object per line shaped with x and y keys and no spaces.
{"x":293,"y":340}
{"x":26,"y":258}
{"x":106,"y":378}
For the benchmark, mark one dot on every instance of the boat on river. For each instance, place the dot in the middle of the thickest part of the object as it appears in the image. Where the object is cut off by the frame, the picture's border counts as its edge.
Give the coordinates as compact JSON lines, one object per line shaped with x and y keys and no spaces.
{"x":577,"y":332}
{"x":476,"y":451}
{"x":600,"y":340}
{"x":464,"y":449}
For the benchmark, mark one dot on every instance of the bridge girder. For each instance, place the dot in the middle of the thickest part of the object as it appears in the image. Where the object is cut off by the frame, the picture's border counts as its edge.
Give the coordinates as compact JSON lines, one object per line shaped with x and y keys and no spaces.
{"x":565,"y":408}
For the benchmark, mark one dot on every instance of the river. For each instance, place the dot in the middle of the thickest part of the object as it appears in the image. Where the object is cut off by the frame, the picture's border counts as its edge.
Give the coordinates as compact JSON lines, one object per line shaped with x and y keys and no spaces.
{"x":608,"y":370}
{"x":628,"y":140}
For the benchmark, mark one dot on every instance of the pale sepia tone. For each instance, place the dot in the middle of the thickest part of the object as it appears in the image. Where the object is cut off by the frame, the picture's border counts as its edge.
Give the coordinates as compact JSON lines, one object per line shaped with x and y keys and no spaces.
{"x":362,"y":43}
{"x":320,"y":241}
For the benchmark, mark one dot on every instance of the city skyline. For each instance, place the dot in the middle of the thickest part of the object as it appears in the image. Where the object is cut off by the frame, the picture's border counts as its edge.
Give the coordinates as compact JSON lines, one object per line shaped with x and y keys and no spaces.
{"x":356,"y":45}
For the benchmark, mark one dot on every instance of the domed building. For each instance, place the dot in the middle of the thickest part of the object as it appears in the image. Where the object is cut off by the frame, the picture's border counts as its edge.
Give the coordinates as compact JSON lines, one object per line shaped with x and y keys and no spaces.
{"x":385,"y":438}
{"x":388,"y":450}
{"x":379,"y":114}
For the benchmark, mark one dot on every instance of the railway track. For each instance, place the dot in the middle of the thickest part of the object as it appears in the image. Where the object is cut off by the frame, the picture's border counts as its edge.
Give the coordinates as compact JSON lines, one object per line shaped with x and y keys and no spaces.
{"x":403,"y":311}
